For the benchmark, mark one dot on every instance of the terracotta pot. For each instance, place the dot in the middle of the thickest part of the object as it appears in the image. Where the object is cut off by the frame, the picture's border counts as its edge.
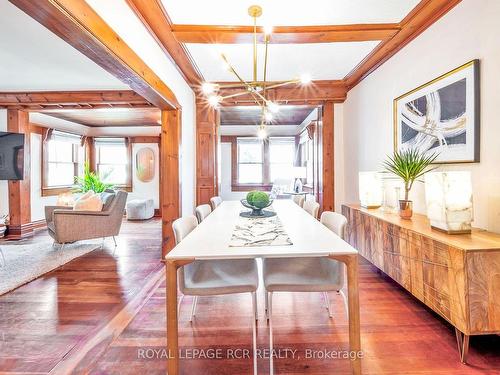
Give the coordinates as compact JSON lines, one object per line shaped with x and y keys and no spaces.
{"x":405,"y":209}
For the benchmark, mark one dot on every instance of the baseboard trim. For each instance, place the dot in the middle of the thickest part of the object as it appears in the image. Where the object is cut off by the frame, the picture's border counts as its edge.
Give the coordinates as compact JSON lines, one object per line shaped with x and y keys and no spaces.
{"x":157,"y":212}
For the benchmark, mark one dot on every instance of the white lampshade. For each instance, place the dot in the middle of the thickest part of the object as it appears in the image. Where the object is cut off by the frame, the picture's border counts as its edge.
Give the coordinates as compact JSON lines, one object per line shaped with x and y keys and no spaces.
{"x":299,"y":172}
{"x":370,"y":189}
{"x":449,"y":201}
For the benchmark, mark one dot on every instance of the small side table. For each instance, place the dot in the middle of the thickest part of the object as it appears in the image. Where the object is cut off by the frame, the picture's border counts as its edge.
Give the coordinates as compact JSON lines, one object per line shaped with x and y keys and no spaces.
{"x":292,"y":193}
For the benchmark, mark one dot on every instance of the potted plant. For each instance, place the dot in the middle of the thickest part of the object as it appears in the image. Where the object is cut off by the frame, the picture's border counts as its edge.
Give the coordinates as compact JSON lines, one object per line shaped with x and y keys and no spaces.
{"x":4,"y":221}
{"x":409,"y":165}
{"x":90,"y":181}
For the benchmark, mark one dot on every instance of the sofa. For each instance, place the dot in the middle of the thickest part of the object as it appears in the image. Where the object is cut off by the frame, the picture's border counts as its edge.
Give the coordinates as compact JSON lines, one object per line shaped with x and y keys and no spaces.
{"x":66,"y":225}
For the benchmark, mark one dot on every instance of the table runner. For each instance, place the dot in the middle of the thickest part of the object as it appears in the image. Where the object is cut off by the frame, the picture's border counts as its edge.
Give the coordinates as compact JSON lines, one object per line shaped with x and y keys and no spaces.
{"x":259,"y":232}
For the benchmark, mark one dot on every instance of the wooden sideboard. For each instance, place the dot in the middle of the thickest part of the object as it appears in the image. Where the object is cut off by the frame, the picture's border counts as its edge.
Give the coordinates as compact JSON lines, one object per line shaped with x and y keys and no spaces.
{"x":457,"y":276}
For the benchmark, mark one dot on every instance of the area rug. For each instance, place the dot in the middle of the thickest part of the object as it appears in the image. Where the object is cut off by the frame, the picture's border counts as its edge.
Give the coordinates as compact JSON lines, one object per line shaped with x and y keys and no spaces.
{"x":23,"y":263}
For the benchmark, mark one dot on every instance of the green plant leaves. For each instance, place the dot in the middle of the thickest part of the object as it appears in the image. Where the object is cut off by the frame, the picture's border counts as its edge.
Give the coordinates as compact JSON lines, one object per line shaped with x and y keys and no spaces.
{"x":90,"y":181}
{"x":409,"y":165}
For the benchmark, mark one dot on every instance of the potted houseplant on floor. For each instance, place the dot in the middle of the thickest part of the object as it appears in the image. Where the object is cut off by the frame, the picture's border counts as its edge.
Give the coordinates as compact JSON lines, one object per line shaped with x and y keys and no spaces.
{"x":4,"y":221}
{"x":409,"y":165}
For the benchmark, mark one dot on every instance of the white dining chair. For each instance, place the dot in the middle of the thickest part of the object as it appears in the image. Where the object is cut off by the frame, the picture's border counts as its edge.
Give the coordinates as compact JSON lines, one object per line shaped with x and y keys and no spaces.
{"x":216,"y":277}
{"x":215,"y":202}
{"x":312,"y":208}
{"x":298,"y":200}
{"x":202,"y":211}
{"x":309,"y":274}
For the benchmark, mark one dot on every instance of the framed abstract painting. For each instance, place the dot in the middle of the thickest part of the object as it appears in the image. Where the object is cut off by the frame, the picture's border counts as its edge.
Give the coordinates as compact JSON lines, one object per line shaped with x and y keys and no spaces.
{"x":442,"y":116}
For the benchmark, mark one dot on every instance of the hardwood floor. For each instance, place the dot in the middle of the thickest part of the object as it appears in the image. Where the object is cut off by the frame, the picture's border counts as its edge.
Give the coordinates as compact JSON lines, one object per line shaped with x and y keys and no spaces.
{"x":104,"y":313}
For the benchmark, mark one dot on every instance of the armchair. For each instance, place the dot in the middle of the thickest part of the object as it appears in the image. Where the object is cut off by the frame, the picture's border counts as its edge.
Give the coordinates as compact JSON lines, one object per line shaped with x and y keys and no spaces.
{"x":66,"y":225}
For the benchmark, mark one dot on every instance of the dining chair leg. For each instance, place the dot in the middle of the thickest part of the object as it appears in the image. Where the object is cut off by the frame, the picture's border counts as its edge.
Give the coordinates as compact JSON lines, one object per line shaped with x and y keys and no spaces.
{"x":179,"y":304}
{"x":114,"y":239}
{"x":193,"y":308}
{"x":327,"y":303}
{"x":267,"y":304}
{"x":344,"y":297}
{"x":270,"y":317}
{"x":254,"y":302}
{"x":254,"y":332}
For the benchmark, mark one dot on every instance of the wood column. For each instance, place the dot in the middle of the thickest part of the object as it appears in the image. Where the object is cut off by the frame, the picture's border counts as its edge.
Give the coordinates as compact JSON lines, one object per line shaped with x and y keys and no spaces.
{"x":207,"y":120}
{"x":20,"y":191}
{"x":326,"y":156}
{"x":170,"y":180}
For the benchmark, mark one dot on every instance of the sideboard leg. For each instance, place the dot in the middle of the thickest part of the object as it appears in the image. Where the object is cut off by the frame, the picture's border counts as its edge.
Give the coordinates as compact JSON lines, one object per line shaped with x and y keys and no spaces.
{"x":463,"y":345}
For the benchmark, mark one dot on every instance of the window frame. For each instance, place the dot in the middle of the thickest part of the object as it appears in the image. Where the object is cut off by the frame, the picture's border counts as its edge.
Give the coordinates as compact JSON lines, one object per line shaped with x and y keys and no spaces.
{"x":127,"y":186}
{"x":266,"y":184}
{"x":47,"y":191}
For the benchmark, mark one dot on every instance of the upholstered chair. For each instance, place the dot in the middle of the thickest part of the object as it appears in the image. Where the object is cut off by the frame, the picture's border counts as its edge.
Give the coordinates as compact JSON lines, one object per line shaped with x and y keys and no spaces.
{"x":216,"y":277}
{"x":215,"y":201}
{"x":298,"y":200}
{"x":308,"y":274}
{"x":202,"y":212}
{"x":312,"y":208}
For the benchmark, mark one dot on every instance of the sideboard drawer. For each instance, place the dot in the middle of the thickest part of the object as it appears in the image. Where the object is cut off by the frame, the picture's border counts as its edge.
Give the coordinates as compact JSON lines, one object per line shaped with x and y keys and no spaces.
{"x":435,"y":252}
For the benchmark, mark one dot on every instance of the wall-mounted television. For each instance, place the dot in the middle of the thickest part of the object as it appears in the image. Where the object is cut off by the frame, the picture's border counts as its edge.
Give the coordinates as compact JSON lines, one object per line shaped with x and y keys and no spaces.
{"x":11,"y":156}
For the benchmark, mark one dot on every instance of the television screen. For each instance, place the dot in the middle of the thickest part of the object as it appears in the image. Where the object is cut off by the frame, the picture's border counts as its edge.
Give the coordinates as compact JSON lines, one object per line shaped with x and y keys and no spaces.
{"x":11,"y":156}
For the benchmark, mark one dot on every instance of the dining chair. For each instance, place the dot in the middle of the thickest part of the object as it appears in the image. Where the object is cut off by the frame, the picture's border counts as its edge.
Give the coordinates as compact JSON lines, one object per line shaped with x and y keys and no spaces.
{"x":216,"y":277}
{"x":298,"y":200}
{"x":312,"y":208}
{"x":202,"y":211}
{"x":215,"y":201}
{"x":308,"y":274}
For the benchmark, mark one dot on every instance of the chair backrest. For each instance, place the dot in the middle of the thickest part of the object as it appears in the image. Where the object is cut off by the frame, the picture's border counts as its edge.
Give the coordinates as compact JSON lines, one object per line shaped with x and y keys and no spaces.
{"x":299,"y":200}
{"x":183,"y":226}
{"x":202,"y":212}
{"x":312,"y":208}
{"x":335,"y":222}
{"x":215,"y":202}
{"x":116,"y":208}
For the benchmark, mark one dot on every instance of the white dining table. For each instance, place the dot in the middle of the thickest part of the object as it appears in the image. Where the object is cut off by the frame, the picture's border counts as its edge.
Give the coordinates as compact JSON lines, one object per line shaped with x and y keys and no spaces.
{"x":211,"y":240}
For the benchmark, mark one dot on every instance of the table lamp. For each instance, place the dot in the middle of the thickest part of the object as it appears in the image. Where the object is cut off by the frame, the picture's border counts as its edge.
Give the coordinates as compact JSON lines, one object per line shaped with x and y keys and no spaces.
{"x":371,"y":194}
{"x":299,"y":173}
{"x":448,"y":196}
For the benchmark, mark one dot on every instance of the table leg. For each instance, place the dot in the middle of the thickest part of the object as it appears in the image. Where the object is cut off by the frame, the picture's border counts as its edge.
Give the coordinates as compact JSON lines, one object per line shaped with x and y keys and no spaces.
{"x":172,"y":324}
{"x":351,"y":262}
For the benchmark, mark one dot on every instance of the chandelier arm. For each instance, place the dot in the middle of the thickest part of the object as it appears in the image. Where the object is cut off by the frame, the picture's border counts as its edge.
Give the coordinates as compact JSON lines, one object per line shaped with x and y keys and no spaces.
{"x":294,"y":81}
{"x":265,"y":65}
{"x":254,"y":48}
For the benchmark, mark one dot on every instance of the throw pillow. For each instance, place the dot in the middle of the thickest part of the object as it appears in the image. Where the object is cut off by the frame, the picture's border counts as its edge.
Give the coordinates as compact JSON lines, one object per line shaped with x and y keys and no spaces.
{"x":89,"y":201}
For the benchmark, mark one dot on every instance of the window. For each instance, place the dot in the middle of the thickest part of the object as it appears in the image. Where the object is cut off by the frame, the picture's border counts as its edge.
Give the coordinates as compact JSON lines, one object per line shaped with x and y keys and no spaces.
{"x":307,"y":158}
{"x":250,"y":161}
{"x":64,"y":158}
{"x":113,"y":161}
{"x":281,"y":158}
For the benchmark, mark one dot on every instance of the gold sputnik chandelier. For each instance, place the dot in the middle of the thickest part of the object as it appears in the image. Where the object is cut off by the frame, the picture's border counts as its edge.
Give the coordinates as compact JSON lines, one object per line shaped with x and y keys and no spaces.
{"x":257,"y":89}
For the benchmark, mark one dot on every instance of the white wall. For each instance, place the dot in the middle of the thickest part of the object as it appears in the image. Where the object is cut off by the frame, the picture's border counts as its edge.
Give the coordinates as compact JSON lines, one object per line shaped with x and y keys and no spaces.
{"x":143,"y":190}
{"x":4,"y":187}
{"x":226,"y":192}
{"x":469,"y":31}
{"x":122,"y":19}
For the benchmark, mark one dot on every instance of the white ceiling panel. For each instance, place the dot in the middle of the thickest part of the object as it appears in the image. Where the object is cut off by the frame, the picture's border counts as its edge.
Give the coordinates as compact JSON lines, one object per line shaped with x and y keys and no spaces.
{"x":288,"y":12}
{"x":286,"y":61}
{"x":32,"y":58}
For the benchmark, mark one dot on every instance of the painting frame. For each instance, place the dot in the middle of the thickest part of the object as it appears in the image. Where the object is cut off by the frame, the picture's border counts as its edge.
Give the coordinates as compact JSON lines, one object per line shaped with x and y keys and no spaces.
{"x":472,"y":68}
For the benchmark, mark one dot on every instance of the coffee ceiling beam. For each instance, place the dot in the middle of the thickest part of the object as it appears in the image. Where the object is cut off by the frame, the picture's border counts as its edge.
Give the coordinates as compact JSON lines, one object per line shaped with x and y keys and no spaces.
{"x":156,"y":20}
{"x":79,"y":25}
{"x":417,"y":21}
{"x":77,"y":99}
{"x":284,"y":34}
{"x":312,"y":93}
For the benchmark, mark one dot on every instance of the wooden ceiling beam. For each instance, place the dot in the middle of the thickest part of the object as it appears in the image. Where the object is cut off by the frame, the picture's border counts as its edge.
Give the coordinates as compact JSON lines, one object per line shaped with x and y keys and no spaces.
{"x":284,"y":34}
{"x":64,"y":98}
{"x":313,"y":93}
{"x":417,"y":21}
{"x":156,"y":20}
{"x":79,"y":25}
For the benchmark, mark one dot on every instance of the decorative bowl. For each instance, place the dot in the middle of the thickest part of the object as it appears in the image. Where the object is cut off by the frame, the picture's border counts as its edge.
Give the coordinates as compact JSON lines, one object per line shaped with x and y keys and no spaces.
{"x":257,"y":211}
